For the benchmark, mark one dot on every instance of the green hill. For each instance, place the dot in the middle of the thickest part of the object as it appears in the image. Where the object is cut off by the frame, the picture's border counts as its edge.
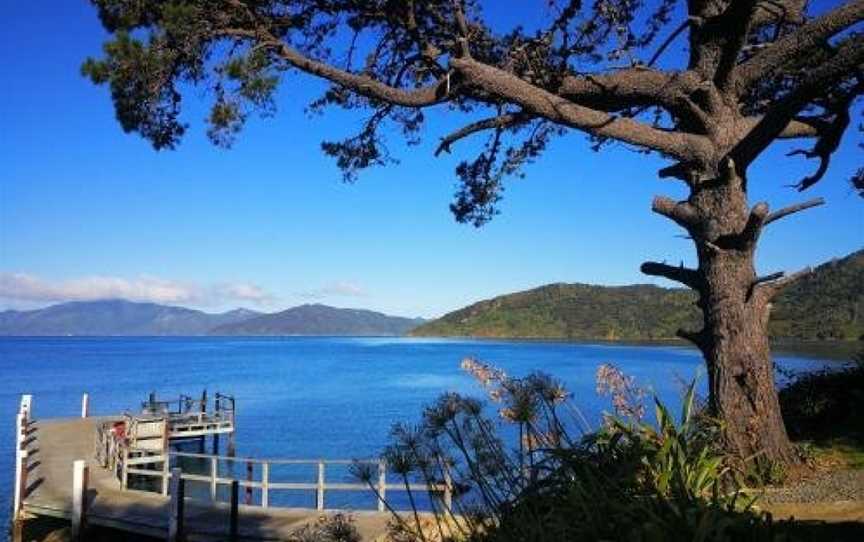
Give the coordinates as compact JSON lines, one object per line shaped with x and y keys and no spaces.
{"x":827,"y":304}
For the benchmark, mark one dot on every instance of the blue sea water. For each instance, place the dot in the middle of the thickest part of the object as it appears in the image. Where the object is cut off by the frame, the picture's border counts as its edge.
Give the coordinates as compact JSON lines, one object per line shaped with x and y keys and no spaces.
{"x":308,"y":398}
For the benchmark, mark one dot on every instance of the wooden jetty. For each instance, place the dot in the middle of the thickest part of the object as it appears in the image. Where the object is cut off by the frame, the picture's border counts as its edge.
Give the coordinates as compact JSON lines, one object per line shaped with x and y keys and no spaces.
{"x":124,"y":472}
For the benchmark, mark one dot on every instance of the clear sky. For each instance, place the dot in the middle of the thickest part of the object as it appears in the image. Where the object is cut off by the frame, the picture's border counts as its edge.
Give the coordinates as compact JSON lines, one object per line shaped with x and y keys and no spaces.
{"x":87,"y":211}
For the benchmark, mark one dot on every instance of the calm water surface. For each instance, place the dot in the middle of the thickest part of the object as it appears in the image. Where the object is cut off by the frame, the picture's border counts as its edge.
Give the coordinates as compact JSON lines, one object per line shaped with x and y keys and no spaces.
{"x":307,"y":397}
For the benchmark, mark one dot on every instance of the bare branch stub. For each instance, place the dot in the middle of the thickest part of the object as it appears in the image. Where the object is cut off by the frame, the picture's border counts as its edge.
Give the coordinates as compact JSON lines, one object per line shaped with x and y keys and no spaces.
{"x":786,"y":211}
{"x":684,"y":275}
{"x":773,"y":285}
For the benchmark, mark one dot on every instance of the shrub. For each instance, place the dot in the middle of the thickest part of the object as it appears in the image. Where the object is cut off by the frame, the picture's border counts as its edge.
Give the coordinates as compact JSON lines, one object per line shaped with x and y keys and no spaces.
{"x":541,"y":475}
{"x":824,"y":404}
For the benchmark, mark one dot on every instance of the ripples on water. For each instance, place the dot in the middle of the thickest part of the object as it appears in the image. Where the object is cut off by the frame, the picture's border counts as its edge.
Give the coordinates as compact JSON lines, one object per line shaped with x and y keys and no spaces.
{"x":309,"y":397}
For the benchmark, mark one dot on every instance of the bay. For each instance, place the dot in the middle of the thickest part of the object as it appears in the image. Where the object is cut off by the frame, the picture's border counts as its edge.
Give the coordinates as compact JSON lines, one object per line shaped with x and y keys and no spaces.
{"x":312,"y":397}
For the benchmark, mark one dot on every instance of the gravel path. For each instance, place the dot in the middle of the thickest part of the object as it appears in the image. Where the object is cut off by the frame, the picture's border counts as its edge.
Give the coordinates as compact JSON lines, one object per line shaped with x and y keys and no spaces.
{"x":842,"y":485}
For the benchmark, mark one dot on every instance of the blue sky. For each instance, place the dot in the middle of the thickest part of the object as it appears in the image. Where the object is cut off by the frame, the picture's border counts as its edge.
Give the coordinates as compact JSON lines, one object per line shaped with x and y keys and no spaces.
{"x":86,"y":210}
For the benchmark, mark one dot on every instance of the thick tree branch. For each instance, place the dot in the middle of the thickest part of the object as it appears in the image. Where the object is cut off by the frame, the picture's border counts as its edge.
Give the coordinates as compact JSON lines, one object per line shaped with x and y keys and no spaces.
{"x":361,"y":84}
{"x":777,"y":11}
{"x":807,"y":39}
{"x":843,"y":64}
{"x":542,"y":103}
{"x":365,"y":85}
{"x":501,"y":121}
{"x":797,"y":128}
{"x":786,"y":211}
{"x":684,"y":275}
{"x":631,"y":87}
{"x":734,"y":25}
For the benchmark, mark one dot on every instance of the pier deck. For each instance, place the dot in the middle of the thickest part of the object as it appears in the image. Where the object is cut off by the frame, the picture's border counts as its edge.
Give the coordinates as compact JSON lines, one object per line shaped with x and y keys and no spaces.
{"x":53,"y":445}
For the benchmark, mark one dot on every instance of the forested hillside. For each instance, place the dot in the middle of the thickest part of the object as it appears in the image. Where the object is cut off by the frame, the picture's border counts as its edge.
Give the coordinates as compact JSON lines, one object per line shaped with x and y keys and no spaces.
{"x":827,"y":304}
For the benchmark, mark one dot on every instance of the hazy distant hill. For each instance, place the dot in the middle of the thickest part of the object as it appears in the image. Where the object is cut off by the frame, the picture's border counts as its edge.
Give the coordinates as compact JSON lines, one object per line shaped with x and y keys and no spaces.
{"x":115,"y":317}
{"x":321,"y":320}
{"x":828,"y":304}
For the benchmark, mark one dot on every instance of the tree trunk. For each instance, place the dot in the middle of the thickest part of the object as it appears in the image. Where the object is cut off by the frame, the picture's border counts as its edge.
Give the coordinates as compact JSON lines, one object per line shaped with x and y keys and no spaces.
{"x":734,"y":339}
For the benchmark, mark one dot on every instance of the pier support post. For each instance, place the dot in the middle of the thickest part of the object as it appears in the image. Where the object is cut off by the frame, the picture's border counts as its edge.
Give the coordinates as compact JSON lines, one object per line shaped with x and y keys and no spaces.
{"x":234,"y":522}
{"x":80,"y":481}
{"x":85,"y":405}
{"x":320,"y":492}
{"x":178,"y":495}
{"x":382,"y":484}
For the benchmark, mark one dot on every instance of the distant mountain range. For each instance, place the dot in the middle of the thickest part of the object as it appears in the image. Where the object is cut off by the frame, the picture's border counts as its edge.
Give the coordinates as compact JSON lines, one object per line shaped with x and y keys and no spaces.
{"x":320,"y":320}
{"x":828,"y":304}
{"x":127,"y":318}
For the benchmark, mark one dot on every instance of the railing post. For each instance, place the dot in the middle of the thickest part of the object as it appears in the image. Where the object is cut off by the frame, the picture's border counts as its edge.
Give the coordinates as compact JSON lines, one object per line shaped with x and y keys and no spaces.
{"x":85,"y":405}
{"x":80,"y":475}
{"x":382,"y":484}
{"x":20,"y":483}
{"x":20,"y":464}
{"x":124,"y":473}
{"x":214,"y":472}
{"x":265,"y":484}
{"x":249,"y":477}
{"x":448,"y":489}
{"x":320,"y":492}
{"x":26,"y":406}
{"x":234,"y":523}
{"x":166,"y":472}
{"x":178,"y":494}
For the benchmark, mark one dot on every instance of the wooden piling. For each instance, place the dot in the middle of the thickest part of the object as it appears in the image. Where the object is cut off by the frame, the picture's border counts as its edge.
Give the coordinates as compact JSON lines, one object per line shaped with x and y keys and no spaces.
{"x":80,"y":481}
{"x":178,"y":495}
{"x":234,"y":521}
